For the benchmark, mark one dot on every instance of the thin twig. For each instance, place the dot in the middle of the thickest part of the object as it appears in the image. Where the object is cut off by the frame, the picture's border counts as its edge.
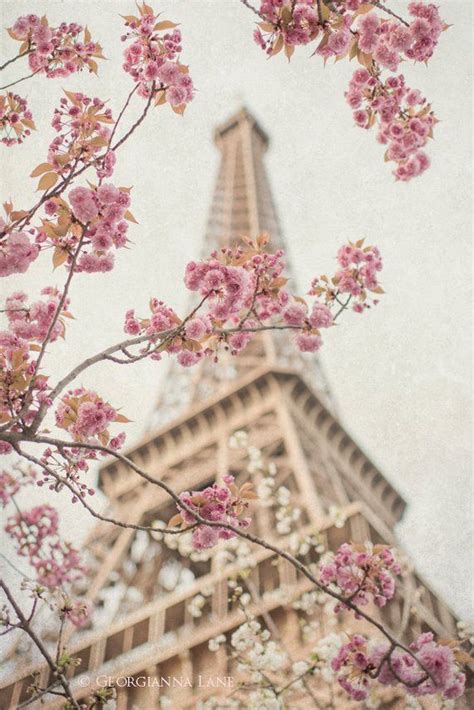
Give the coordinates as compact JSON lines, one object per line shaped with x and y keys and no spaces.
{"x":94,"y":513}
{"x":237,"y":531}
{"x":139,"y":120}
{"x":389,"y":12}
{"x":40,"y":646}
{"x":18,"y":81}
{"x":14,"y":59}
{"x":251,"y":7}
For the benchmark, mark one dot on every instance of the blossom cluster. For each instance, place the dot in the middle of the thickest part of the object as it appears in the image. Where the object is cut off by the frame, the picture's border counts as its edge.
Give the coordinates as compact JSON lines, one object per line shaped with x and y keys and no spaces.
{"x":17,"y":251}
{"x":67,"y":465}
{"x":404,"y":119}
{"x":358,"y":663}
{"x":346,"y":25}
{"x":389,"y":40}
{"x":286,"y":24}
{"x":21,"y":388}
{"x":152,"y":59}
{"x":362,"y":573}
{"x":10,"y":484}
{"x":242,"y":289}
{"x":105,"y":209}
{"x":36,"y":534}
{"x":96,"y":218}
{"x":33,"y":322}
{"x":218,"y":504}
{"x":261,"y":654}
{"x":16,"y":120}
{"x":357,"y":277}
{"x":354,"y":29}
{"x":55,"y":51}
{"x":86,"y":416}
{"x":82,"y":124}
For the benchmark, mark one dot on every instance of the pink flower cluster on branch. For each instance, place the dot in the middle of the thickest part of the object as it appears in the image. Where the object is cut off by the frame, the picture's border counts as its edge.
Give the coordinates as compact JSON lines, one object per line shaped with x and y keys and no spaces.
{"x":362,"y":573}
{"x":357,"y":277}
{"x":17,"y":251}
{"x":218,"y":504}
{"x":16,"y":120}
{"x":85,"y":232}
{"x":152,"y":59}
{"x":36,"y":534}
{"x":55,"y":51}
{"x":404,"y":119}
{"x":86,"y":416}
{"x":21,"y":388}
{"x":11,"y":484}
{"x":243,"y":291}
{"x":82,"y":124}
{"x":354,"y":29}
{"x":360,"y":664}
{"x":32,"y":322}
{"x":389,"y":41}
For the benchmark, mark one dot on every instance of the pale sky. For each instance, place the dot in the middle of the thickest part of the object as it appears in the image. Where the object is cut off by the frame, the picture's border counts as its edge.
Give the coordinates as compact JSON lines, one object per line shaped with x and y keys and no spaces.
{"x":401,"y":374}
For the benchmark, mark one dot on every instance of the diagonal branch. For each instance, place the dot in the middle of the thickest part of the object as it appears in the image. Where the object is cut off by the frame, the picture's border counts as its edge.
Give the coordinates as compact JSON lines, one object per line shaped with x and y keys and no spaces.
{"x":360,"y":613}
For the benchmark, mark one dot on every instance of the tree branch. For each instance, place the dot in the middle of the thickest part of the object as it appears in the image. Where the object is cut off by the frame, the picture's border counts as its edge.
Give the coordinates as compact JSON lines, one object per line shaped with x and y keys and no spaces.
{"x":40,"y":646}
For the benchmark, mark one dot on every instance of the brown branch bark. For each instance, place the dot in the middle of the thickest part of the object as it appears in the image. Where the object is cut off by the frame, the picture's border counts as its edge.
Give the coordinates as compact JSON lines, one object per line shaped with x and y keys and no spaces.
{"x":241,"y":533}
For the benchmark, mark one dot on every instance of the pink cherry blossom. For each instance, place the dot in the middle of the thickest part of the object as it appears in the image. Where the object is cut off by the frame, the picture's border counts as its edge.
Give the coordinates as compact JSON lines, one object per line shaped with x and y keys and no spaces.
{"x":17,"y":252}
{"x":16,"y":120}
{"x":86,"y":416}
{"x":217,"y":504}
{"x":152,"y":60}
{"x":56,"y":51}
{"x":362,"y":573}
{"x":36,"y":534}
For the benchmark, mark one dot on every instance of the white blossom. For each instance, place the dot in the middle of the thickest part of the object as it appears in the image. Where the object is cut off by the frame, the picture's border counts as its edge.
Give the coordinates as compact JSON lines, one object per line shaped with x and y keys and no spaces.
{"x":264,"y":699}
{"x":338,"y":516}
{"x":300,"y":667}
{"x":238,"y":440}
{"x":214,"y":644}
{"x":466,"y":631}
{"x":283,"y":495}
{"x":196,"y":605}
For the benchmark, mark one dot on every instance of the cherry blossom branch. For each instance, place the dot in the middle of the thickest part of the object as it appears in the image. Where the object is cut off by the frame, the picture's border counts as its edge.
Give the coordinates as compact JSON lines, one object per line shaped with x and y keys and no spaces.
{"x":119,"y":117}
{"x":389,"y":12}
{"x":237,"y":531}
{"x":18,"y":81}
{"x":164,"y":337}
{"x":61,"y":303}
{"x":139,"y":120}
{"x":26,"y":627}
{"x":57,"y":191}
{"x":250,"y":7}
{"x":63,"y":481}
{"x":41,"y":692}
{"x":14,"y":59}
{"x":272,"y":627}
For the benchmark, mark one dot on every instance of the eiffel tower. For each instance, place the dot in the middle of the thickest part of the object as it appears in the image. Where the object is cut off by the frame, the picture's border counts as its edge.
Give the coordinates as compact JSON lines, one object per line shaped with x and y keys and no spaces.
{"x":142,"y":590}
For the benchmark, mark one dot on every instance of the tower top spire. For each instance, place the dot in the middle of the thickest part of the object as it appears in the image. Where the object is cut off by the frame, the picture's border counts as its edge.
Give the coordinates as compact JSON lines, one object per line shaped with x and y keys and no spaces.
{"x":241,"y":121}
{"x":243,"y":203}
{"x":242,"y":206}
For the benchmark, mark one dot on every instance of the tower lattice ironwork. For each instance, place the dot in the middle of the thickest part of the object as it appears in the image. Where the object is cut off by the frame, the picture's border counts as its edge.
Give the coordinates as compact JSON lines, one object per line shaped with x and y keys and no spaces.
{"x":142,"y":590}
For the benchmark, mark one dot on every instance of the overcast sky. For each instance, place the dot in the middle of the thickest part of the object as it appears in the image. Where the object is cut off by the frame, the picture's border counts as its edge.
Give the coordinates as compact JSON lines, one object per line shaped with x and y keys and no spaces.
{"x":401,"y":373}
